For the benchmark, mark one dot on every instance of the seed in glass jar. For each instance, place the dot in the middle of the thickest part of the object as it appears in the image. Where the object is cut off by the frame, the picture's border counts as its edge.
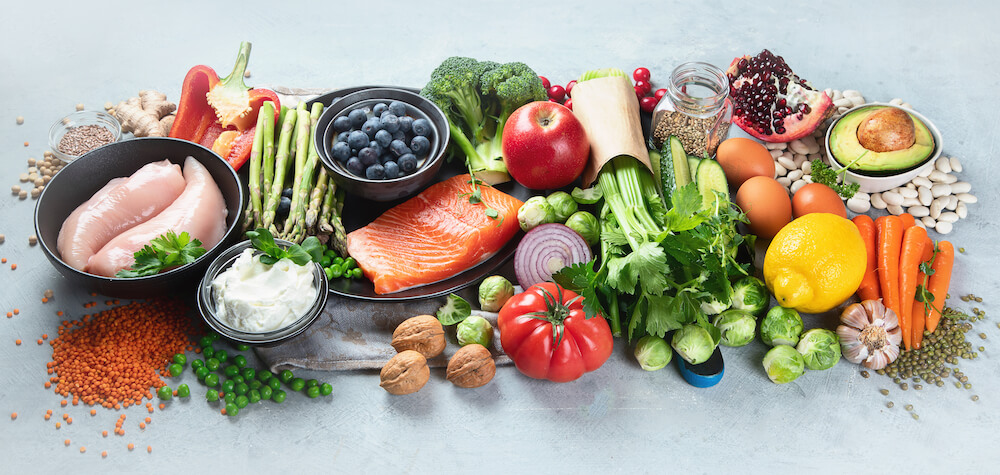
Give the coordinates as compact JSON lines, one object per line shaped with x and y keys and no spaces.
{"x":864,"y":374}
{"x":82,"y":139}
{"x":19,"y":120}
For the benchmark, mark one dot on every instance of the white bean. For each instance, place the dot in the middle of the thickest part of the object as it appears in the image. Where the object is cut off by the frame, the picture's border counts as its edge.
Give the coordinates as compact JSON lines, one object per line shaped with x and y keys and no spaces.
{"x":967,"y":198}
{"x":911,"y":202}
{"x":940,"y":177}
{"x":910,"y":186}
{"x":943,"y":165}
{"x":862,"y":196}
{"x":924,"y":195}
{"x":961,"y":210}
{"x":940,"y":189}
{"x":775,"y":145}
{"x":943,"y":227}
{"x":937,"y":206}
{"x":922,"y":181}
{"x":892,"y":198}
{"x":798,"y":184}
{"x":807,"y":178}
{"x":852,"y":93}
{"x":948,"y":217}
{"x":857,"y":101}
{"x":894,"y":209}
{"x":776,"y":153}
{"x":794,"y":175}
{"x":952,"y":203}
{"x":906,"y":192}
{"x":842,"y":109}
{"x":799,"y":159}
{"x":836,"y":95}
{"x":920,"y":223}
{"x":787,"y":162}
{"x":859,"y":206}
{"x":956,"y":165}
{"x":798,"y":147}
{"x":878,"y":202}
{"x":928,"y":221}
{"x":925,"y":172}
{"x":785,"y":181}
{"x":919,"y":211}
{"x":811,"y":143}
{"x":845,"y":103}
{"x":961,"y":187}
{"x":897,"y":101}
{"x":779,"y":170}
{"x":807,"y":167}
{"x":906,"y":105}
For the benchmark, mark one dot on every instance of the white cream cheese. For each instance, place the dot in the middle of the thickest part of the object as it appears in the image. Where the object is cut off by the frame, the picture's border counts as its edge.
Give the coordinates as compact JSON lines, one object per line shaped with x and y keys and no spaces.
{"x":254,"y":297}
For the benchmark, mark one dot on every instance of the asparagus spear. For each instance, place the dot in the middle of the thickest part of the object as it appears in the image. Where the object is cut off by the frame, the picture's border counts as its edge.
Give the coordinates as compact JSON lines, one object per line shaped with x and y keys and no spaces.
{"x":339,"y":237}
{"x":293,"y":152}
{"x":261,"y":135}
{"x":301,"y":137}
{"x":316,"y":198}
{"x":295,"y":228}
{"x":281,"y":156}
{"x":267,"y":166}
{"x":327,"y":208}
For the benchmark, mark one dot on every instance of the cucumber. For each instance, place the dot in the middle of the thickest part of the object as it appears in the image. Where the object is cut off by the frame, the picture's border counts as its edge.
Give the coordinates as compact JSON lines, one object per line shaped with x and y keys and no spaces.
{"x":674,"y":169}
{"x":711,"y":178}
{"x":693,"y":163}
{"x":654,"y":163}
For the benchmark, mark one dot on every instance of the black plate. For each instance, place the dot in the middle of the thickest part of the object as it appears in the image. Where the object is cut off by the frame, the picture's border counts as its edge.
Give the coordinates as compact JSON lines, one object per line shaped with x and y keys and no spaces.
{"x":358,"y":212}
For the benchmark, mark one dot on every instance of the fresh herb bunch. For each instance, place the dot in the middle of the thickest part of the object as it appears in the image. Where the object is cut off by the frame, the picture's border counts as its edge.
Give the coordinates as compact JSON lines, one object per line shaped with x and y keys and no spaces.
{"x":262,"y":240}
{"x":822,"y":173}
{"x":168,"y":250}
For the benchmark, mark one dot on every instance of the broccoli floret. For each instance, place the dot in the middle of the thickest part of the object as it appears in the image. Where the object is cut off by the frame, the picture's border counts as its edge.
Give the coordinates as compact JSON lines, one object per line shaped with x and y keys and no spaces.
{"x":477,"y":97}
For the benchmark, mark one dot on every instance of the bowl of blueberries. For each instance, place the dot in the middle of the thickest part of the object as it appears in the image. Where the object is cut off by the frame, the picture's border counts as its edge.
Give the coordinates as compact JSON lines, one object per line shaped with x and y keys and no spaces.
{"x":382,"y":144}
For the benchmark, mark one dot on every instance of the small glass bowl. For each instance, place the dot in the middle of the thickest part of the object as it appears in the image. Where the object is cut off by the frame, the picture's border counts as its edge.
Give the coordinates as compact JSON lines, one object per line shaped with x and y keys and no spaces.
{"x":78,"y":119}
{"x":206,"y":301}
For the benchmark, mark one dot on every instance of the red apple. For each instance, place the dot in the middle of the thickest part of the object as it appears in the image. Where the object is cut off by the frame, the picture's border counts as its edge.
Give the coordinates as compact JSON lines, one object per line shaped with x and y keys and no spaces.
{"x":544,"y":145}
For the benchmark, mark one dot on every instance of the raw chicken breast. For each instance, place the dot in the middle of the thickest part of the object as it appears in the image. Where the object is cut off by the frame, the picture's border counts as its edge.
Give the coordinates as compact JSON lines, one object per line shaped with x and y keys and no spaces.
{"x":116,"y":208}
{"x":200,"y":210}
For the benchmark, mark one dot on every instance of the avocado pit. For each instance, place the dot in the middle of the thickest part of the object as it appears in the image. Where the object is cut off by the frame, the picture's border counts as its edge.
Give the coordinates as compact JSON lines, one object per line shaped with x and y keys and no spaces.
{"x":887,"y":130}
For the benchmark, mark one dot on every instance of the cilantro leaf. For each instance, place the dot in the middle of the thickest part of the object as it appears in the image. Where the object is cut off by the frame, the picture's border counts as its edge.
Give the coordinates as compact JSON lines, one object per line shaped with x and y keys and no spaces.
{"x":454,"y":310}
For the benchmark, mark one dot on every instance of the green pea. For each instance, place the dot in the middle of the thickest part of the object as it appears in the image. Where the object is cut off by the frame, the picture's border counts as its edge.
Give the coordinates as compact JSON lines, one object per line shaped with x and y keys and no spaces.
{"x":240,"y":361}
{"x":231,"y":371}
{"x":313,"y":392}
{"x":329,"y":273}
{"x":202,"y":373}
{"x":325,"y":261}
{"x":205,"y":342}
{"x":211,"y":395}
{"x":312,"y":382}
{"x":254,"y":395}
{"x":242,"y":401}
{"x":228,"y":386}
{"x":221,"y":355}
{"x":175,"y":369}
{"x":165,"y":393}
{"x":241,"y":388}
{"x":183,"y":391}
{"x":326,"y":389}
{"x":212,"y":364}
{"x":330,"y":253}
{"x":238,"y":379}
{"x":265,"y":392}
{"x":338,"y":261}
{"x":264,"y":375}
{"x":212,"y":380}
{"x":278,"y":396}
{"x":335,"y":272}
{"x":249,"y":373}
{"x":214,"y":336}
{"x":356,"y":273}
{"x":297,"y":384}
{"x":274,"y":383}
{"x":242,"y":347}
{"x":232,"y":410}
{"x":198,"y":363}
{"x":255,"y":384}
{"x":208,"y":351}
{"x":180,"y":358}
{"x":287,"y":376}
{"x":349,"y":263}
{"x":229,"y":397}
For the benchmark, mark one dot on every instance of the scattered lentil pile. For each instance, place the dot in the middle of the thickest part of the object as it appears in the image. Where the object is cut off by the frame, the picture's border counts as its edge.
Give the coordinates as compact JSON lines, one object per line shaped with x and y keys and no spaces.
{"x":114,"y":357}
{"x":38,"y":175}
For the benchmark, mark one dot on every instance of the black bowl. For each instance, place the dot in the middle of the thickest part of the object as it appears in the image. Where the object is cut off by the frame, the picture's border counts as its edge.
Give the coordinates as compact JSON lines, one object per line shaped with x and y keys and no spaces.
{"x":383,"y":190}
{"x":80,"y":179}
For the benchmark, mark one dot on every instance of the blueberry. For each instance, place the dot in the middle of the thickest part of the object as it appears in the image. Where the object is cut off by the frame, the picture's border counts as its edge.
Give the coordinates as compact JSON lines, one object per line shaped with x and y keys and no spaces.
{"x":341,"y":151}
{"x":287,"y":192}
{"x":390,"y":122}
{"x":379,"y":150}
{"x":383,"y":137}
{"x":342,"y":124}
{"x":375,"y":172}
{"x":400,"y":135}
{"x":406,"y":123}
{"x":367,"y":156}
{"x":391,"y":170}
{"x":398,"y":108}
{"x":357,"y":117}
{"x":422,"y":127}
{"x":386,"y":157}
{"x":358,"y":140}
{"x":379,"y":109}
{"x":399,"y":148}
{"x":342,"y":137}
{"x":284,"y":206}
{"x":354,"y":166}
{"x":407,"y":163}
{"x":420,"y":145}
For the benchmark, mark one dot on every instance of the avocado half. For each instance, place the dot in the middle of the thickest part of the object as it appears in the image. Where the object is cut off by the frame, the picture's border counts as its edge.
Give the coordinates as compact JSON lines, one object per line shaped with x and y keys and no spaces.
{"x":846,"y":148}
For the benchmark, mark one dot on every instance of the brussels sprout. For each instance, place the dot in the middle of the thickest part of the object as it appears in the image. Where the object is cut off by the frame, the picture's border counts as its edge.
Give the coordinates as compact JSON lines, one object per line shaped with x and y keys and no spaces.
{"x":783,"y":364}
{"x":586,"y":225}
{"x":737,"y":327}
{"x":750,"y":294}
{"x":714,"y":306}
{"x":693,"y":343}
{"x":563,"y":205}
{"x":781,"y":326}
{"x":494,"y":292}
{"x":474,"y":329}
{"x":820,"y":348}
{"x":534,"y":212}
{"x":653,"y":353}
{"x":587,"y":197}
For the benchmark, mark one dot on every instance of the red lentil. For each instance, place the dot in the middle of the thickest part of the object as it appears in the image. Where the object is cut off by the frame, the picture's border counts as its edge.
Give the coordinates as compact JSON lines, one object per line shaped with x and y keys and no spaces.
{"x":67,"y":442}
{"x":13,"y":415}
{"x":131,"y":446}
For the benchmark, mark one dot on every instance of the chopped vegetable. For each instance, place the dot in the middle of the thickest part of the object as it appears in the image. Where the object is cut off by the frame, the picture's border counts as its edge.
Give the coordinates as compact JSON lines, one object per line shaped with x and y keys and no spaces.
{"x":162,"y":253}
{"x":494,"y":292}
{"x":454,"y":310}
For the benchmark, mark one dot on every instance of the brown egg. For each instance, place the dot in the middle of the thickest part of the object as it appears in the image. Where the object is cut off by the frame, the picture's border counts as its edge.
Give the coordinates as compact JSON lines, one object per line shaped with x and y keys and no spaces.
{"x":766,"y":204}
{"x":817,"y":198}
{"x":742,"y":158}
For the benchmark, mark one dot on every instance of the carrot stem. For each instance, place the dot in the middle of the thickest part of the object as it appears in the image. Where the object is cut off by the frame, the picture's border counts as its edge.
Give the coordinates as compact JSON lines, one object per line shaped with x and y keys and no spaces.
{"x":889,"y":241}
{"x":909,"y":268}
{"x":938,"y":284}
{"x":869,"y":288}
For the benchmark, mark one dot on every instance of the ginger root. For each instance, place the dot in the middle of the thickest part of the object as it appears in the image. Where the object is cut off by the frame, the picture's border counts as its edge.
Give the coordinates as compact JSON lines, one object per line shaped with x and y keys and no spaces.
{"x":148,"y":115}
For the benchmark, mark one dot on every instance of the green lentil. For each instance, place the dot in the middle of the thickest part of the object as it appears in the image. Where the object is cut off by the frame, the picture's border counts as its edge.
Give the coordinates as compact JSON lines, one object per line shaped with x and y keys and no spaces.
{"x":975,"y":398}
{"x":915,"y":416}
{"x":864,"y":374}
{"x":885,"y":392}
{"x":908,"y":407}
{"x":889,"y":404}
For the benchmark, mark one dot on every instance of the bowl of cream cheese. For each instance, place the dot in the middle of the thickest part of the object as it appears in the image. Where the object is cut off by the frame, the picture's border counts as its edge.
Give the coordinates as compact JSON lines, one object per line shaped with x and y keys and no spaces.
{"x":254,"y":303}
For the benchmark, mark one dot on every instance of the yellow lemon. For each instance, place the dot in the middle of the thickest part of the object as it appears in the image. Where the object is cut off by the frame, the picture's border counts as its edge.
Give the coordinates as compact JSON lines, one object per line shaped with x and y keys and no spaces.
{"x":815,"y":263}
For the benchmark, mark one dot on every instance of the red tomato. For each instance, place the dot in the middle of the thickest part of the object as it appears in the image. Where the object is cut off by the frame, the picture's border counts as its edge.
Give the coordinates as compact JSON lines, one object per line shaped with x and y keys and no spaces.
{"x":640,"y":74}
{"x":545,"y":82}
{"x":560,"y":346}
{"x":557,"y":92}
{"x":645,"y":85}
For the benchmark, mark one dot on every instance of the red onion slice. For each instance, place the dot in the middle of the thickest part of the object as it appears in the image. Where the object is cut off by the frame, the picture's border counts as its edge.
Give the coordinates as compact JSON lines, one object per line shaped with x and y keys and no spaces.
{"x":545,"y":250}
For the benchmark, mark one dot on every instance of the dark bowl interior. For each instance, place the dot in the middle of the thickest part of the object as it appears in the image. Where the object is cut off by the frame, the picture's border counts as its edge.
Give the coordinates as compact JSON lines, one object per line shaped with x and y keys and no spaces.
{"x":383,"y":190}
{"x":80,"y":179}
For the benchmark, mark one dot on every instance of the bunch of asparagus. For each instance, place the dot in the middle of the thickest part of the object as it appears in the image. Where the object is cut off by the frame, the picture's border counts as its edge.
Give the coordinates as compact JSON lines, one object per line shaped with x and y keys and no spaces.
{"x":291,"y":159}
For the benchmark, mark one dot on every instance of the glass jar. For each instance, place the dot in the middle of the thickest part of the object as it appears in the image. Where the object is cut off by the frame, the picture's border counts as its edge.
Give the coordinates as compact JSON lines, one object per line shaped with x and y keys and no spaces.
{"x":696,"y":108}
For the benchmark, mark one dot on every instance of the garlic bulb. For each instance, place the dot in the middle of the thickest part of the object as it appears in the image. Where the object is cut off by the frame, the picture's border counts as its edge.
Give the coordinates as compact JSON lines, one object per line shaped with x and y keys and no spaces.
{"x":869,"y":334}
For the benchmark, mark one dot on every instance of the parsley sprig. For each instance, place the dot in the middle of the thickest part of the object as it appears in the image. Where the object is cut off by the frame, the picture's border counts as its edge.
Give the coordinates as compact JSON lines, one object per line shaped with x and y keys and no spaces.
{"x":162,"y":253}
{"x":262,"y":240}
{"x":822,"y":173}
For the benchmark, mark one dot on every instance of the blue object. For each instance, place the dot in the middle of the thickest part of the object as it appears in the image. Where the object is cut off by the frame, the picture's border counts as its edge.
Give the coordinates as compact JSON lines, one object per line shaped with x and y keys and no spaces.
{"x":702,"y":375}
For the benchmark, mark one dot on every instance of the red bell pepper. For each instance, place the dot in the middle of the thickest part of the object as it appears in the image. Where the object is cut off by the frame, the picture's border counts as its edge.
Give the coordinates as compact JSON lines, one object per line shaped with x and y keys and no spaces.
{"x":221,"y":113}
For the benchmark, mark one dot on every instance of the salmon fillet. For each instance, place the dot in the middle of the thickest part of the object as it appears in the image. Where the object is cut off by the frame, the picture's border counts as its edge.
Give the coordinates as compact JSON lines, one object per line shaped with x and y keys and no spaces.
{"x":433,"y":236}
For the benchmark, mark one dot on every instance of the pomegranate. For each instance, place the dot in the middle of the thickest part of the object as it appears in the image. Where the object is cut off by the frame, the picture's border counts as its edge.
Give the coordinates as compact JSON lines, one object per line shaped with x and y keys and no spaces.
{"x":771,"y":102}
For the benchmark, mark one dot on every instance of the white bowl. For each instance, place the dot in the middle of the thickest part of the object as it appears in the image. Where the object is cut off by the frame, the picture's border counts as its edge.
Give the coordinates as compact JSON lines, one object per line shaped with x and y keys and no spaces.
{"x":878,"y":184}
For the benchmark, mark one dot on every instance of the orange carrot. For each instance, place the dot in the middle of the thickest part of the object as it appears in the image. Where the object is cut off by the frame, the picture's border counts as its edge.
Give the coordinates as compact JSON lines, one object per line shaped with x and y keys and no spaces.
{"x":918,"y":320}
{"x":869,"y":288}
{"x":908,"y":220}
{"x":938,"y":284}
{"x":889,"y":240}
{"x":909,"y":269}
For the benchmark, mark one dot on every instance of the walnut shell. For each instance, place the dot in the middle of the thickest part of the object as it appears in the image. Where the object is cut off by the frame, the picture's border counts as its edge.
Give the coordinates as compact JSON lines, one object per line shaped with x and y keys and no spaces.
{"x":471,"y":366}
{"x":422,"y":333}
{"x":405,"y":373}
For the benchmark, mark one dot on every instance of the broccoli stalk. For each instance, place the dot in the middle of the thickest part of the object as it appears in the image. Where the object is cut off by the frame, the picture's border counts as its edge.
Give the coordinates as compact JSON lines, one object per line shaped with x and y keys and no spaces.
{"x":477,"y":97}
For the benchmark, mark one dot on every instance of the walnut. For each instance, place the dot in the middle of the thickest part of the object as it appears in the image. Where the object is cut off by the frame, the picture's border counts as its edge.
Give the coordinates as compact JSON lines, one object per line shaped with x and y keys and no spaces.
{"x":422,"y":333}
{"x":405,"y":373}
{"x":471,"y":366}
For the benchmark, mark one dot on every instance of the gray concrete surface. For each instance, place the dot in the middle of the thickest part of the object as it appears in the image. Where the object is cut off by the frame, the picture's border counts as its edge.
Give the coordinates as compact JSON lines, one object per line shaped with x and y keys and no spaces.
{"x":939,"y":56}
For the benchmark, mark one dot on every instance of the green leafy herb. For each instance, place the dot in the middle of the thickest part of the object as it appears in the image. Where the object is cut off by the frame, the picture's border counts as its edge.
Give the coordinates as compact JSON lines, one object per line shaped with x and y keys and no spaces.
{"x":168,"y":250}
{"x":454,"y":310}
{"x":822,"y":173}
{"x":262,"y":240}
